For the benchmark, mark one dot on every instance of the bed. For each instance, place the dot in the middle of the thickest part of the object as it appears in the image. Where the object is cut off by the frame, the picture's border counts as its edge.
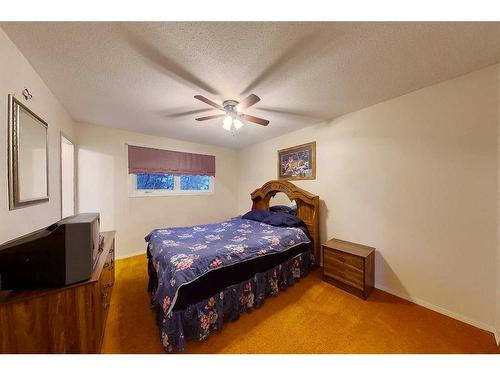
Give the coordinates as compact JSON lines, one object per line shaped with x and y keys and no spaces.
{"x":203,"y":276}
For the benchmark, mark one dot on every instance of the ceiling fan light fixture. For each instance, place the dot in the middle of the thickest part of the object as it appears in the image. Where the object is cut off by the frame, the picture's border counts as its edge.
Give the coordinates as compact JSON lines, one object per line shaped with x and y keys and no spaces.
{"x":233,"y":117}
{"x":228,"y":121}
{"x":237,"y":124}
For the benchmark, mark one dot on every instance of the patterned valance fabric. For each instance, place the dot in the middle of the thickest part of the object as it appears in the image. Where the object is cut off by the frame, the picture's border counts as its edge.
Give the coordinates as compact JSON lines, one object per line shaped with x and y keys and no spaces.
{"x":156,"y":161}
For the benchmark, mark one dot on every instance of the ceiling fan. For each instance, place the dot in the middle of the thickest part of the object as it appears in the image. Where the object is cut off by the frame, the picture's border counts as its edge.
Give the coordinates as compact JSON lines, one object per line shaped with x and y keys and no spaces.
{"x":233,"y":116}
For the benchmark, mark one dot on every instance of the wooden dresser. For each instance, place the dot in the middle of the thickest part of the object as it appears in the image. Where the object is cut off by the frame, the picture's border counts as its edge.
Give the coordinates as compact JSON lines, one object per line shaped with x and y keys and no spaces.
{"x":349,"y":266}
{"x":60,"y":320}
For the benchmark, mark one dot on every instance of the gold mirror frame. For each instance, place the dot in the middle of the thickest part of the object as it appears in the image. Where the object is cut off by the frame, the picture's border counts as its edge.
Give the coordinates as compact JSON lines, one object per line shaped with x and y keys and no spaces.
{"x":15,"y":106}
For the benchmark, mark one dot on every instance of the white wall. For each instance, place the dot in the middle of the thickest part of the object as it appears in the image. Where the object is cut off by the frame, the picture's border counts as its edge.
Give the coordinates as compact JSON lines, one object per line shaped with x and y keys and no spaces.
{"x":415,"y":177}
{"x":102,"y":187}
{"x":15,"y":74}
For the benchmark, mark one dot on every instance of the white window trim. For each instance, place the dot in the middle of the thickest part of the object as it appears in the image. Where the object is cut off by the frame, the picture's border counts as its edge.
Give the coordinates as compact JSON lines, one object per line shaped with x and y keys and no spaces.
{"x":133,"y":192}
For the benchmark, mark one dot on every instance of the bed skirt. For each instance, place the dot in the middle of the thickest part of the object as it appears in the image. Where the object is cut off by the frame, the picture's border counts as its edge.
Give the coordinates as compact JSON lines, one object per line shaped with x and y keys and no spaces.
{"x":199,"y":319}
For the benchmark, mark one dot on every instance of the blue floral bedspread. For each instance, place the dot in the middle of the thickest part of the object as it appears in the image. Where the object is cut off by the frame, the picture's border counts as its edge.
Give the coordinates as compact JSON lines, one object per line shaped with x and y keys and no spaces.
{"x":182,"y":255}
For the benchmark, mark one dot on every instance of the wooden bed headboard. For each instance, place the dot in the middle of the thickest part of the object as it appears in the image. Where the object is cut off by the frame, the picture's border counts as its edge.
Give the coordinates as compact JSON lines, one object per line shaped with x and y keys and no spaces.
{"x":307,"y":206}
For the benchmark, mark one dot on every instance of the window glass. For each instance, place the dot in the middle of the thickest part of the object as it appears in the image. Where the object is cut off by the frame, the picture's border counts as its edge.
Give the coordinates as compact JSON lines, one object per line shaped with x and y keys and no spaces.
{"x":195,"y":182}
{"x":155,"y":182}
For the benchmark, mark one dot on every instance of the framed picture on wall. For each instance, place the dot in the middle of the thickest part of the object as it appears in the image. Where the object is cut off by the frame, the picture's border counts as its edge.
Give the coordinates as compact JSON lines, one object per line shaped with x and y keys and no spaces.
{"x":298,"y":162}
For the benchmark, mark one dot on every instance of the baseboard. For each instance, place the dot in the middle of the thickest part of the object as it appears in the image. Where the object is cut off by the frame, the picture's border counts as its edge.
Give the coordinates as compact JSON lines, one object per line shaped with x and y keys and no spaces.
{"x":440,"y":310}
{"x":142,"y":252}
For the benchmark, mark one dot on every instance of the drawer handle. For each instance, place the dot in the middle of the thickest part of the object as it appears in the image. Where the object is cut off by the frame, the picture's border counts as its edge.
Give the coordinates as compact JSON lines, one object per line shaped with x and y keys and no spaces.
{"x":109,"y":265}
{"x":342,"y":259}
{"x":105,"y":306}
{"x":104,"y":295}
{"x":108,"y":285}
{"x":342,"y":274}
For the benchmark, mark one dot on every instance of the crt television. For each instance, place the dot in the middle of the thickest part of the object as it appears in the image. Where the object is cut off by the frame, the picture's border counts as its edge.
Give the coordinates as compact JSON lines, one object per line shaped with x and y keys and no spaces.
{"x":61,"y":254}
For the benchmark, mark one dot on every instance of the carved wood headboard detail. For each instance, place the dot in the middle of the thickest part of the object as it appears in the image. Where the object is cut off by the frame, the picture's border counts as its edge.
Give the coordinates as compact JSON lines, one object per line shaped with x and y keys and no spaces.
{"x":307,"y":206}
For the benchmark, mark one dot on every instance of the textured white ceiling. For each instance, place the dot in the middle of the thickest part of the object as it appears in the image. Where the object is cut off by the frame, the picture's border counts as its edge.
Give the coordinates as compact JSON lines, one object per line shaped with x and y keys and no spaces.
{"x":143,"y":76}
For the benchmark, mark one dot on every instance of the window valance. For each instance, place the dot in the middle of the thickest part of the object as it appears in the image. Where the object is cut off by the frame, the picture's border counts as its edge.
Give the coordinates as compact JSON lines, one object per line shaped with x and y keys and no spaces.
{"x":156,"y":161}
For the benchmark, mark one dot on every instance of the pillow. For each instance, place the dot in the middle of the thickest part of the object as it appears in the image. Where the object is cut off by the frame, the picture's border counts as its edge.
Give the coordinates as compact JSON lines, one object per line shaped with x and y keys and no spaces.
{"x":292,"y":209}
{"x":257,"y":215}
{"x":280,"y":208}
{"x":277,"y":219}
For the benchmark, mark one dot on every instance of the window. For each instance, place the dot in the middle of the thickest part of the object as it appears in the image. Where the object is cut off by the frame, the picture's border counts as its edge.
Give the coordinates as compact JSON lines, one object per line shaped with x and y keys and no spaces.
{"x":201,"y":183}
{"x":146,"y":181}
{"x":143,"y":184}
{"x":154,"y":172}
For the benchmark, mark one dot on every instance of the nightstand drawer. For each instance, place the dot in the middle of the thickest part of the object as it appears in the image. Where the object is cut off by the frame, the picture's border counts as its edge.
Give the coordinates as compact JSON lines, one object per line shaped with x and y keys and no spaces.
{"x":344,"y":275}
{"x":343,"y":258}
{"x":344,"y":267}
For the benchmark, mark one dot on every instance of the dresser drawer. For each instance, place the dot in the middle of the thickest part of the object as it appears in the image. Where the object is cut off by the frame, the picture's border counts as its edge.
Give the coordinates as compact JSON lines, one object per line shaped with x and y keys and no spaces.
{"x":345,"y":275}
{"x":344,"y":267}
{"x":338,"y":257}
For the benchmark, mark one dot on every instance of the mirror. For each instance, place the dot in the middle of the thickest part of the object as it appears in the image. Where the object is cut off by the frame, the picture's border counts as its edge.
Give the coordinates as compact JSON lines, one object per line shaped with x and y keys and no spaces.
{"x":28,"y":157}
{"x":281,"y":203}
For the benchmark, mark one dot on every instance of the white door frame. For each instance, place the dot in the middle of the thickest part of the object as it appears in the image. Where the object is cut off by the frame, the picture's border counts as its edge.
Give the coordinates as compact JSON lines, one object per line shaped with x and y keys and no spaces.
{"x":63,"y":135}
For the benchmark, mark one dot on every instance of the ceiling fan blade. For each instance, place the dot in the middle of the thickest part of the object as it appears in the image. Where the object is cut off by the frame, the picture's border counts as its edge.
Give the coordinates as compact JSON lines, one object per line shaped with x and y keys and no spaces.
{"x":209,"y":117}
{"x":209,"y":102}
{"x":287,"y":112}
{"x":187,"y":113}
{"x":256,"y":120}
{"x":162,"y":62}
{"x":294,"y":54}
{"x":249,"y":101}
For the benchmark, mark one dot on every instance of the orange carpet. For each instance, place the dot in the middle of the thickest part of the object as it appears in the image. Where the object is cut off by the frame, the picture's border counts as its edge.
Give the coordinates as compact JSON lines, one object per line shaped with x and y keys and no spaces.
{"x":310,"y":317}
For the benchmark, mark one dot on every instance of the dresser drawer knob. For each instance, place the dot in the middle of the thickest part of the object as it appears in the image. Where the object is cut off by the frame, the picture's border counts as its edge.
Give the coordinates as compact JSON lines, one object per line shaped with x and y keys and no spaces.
{"x":108,"y":285}
{"x":342,"y":259}
{"x":109,"y":265}
{"x":105,"y":306}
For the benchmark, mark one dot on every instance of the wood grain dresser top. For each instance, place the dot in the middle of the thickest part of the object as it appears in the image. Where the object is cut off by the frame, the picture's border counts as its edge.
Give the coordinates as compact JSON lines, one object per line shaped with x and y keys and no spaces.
{"x":349,"y":247}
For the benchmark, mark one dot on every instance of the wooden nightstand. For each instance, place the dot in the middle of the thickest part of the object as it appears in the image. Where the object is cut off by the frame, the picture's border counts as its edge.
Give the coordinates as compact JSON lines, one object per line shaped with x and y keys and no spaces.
{"x":349,"y":266}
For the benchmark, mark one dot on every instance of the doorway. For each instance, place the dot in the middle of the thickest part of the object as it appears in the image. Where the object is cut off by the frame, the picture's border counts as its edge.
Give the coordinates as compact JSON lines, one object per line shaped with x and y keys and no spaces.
{"x":67,"y":177}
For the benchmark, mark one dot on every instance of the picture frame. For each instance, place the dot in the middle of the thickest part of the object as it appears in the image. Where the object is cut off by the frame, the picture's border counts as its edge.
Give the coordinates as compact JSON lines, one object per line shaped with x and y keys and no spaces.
{"x":297,"y":162}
